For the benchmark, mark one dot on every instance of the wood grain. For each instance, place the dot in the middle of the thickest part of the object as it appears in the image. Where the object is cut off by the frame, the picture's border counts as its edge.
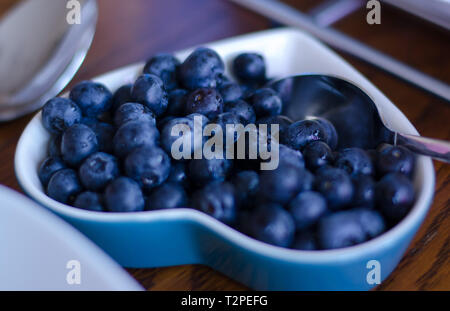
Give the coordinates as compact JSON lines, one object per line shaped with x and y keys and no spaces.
{"x":130,"y":31}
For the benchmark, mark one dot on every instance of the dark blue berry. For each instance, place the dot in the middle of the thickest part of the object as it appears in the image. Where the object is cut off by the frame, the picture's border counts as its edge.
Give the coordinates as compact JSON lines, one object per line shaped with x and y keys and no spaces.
{"x":164,"y":66}
{"x":371,"y":221}
{"x":394,"y":194}
{"x":266,"y":102}
{"x":283,"y":126}
{"x":317,"y":154}
{"x":217,"y":200}
{"x":90,"y":201}
{"x":48,"y":167}
{"x":64,"y":186}
{"x":230,"y":91}
{"x":92,"y":98}
{"x":330,"y":132}
{"x":178,"y":174}
{"x":307,"y":208}
{"x":203,"y":171}
{"x":121,"y":96}
{"x":77,"y":143}
{"x":133,"y":112}
{"x":224,"y":119}
{"x":134,"y":134}
{"x":249,"y":67}
{"x":203,"y":68}
{"x":123,"y":195}
{"x":305,"y":240}
{"x":354,"y":161}
{"x":177,"y":102}
{"x":150,"y":167}
{"x":98,"y":170}
{"x":246,"y":184}
{"x":59,"y":114}
{"x":205,"y":101}
{"x":167,"y":196}
{"x":364,"y":191}
{"x":291,"y":156}
{"x":241,"y":109}
{"x":105,"y":134}
{"x":336,"y":186}
{"x":303,"y":132}
{"x":181,"y":130}
{"x":395,"y":159}
{"x":54,"y":146}
{"x":149,"y":90}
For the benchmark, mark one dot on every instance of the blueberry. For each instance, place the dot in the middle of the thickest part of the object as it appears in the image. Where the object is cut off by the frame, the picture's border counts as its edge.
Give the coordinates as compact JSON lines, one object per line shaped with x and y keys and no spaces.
{"x":364,"y":191}
{"x":90,"y":201}
{"x":371,"y":221}
{"x":177,"y":102}
{"x":217,"y":200}
{"x":150,"y":167}
{"x":92,"y":98}
{"x":48,"y":167}
{"x":291,"y":156}
{"x":241,"y":109}
{"x":164,"y":66}
{"x":59,"y":114}
{"x":167,"y":196}
{"x":54,"y":146}
{"x":123,"y":195}
{"x":330,"y":132}
{"x":204,"y":101}
{"x":202,"y":69}
{"x":280,"y":185}
{"x":354,"y":161}
{"x":183,"y":133}
{"x":246,"y":184}
{"x":203,"y":171}
{"x":132,"y":112}
{"x":394,"y":194}
{"x":77,"y":143}
{"x":393,"y":159}
{"x":283,"y":126}
{"x":149,"y":90}
{"x":104,"y":133}
{"x":306,"y":208}
{"x":121,"y":96}
{"x":224,"y":119}
{"x":178,"y":174}
{"x":271,"y":224}
{"x":249,"y":67}
{"x":98,"y":170}
{"x":134,"y":134}
{"x":305,"y":240}
{"x":266,"y":103}
{"x":230,"y":91}
{"x":336,"y":186}
{"x":64,"y":185}
{"x":317,"y":154}
{"x":302,"y":132}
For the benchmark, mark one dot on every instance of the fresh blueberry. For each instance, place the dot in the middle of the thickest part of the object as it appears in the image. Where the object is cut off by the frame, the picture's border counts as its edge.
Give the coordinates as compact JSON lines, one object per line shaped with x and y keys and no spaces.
{"x":93,"y":98}
{"x":121,"y":96}
{"x":395,"y":159}
{"x":90,"y":201}
{"x":64,"y":185}
{"x":59,"y":114}
{"x":224,"y":119}
{"x":246,"y":184}
{"x":371,"y":221}
{"x":266,"y":103}
{"x":134,"y":134}
{"x":217,"y":200}
{"x":305,"y":240}
{"x":167,"y":196}
{"x":149,"y":90}
{"x":249,"y":67}
{"x":177,"y":102}
{"x":272,"y":224}
{"x":48,"y":167}
{"x":394,"y":194}
{"x":354,"y":161}
{"x":98,"y":170}
{"x":202,"y":69}
{"x":205,"y":101}
{"x":336,"y":186}
{"x":178,"y":174}
{"x":203,"y":171}
{"x":123,"y":195}
{"x":104,"y":133}
{"x":230,"y":91}
{"x":283,"y":126}
{"x":150,"y":167}
{"x":77,"y":143}
{"x":179,"y":130}
{"x":54,"y":146}
{"x":241,"y":109}
{"x":364,"y":191}
{"x":317,"y":154}
{"x":306,"y":208}
{"x":289,"y":155}
{"x":330,"y":132}
{"x":303,"y":132}
{"x":340,"y":229}
{"x":132,"y":112}
{"x":164,"y":66}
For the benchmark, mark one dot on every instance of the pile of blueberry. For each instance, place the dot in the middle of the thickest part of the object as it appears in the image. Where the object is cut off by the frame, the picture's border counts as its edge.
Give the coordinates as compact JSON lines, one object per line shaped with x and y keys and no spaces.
{"x":111,"y":152}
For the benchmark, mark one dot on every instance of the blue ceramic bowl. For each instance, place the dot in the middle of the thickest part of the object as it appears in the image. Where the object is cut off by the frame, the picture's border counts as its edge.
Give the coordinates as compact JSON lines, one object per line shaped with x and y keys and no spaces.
{"x":186,"y":236}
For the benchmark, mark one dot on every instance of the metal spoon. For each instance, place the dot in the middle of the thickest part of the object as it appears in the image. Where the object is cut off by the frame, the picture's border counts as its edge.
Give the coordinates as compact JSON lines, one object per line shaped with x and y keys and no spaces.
{"x":40,"y":52}
{"x":359,"y":121}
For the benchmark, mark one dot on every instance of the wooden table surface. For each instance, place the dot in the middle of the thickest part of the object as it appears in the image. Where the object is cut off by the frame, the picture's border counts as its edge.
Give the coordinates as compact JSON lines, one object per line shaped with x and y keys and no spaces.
{"x":130,"y":31}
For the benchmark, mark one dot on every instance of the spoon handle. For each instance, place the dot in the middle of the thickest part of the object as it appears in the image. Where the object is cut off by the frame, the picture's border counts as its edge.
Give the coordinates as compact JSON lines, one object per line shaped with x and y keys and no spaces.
{"x":435,"y":148}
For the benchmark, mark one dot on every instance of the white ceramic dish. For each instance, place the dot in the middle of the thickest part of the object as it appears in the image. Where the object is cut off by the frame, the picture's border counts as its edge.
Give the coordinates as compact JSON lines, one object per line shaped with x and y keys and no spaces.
{"x":36,"y":246}
{"x":183,"y":236}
